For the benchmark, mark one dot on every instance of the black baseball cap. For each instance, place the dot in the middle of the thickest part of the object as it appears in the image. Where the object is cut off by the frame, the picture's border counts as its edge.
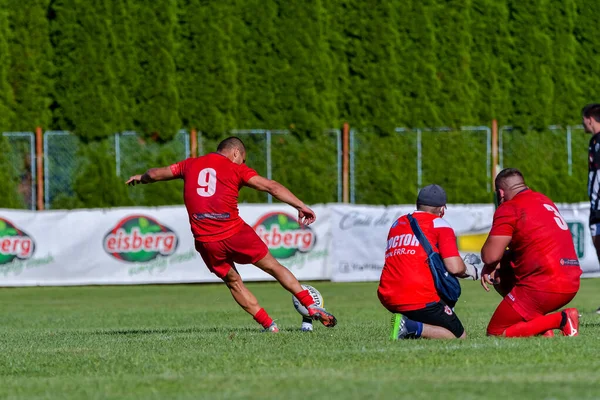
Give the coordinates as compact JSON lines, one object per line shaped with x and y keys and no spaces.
{"x":432,"y":195}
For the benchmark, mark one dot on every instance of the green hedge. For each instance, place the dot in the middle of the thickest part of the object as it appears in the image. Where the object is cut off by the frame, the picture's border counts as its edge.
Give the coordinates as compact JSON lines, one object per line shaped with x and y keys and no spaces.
{"x":96,"y":68}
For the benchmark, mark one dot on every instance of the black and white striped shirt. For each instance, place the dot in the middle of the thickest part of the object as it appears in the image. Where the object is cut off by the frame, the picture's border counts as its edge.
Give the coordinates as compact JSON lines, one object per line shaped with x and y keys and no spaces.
{"x":594,"y":178}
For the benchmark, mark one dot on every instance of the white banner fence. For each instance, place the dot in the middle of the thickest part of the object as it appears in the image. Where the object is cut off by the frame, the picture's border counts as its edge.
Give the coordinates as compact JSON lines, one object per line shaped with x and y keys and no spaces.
{"x":154,"y":245}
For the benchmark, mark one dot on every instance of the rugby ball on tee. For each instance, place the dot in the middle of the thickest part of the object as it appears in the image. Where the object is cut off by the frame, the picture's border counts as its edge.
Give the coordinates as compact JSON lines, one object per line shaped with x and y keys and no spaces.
{"x":504,"y":275}
{"x":314,"y":294}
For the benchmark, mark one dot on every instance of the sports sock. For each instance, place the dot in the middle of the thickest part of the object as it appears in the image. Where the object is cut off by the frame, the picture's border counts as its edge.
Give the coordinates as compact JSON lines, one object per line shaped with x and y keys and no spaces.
{"x":305,"y":298}
{"x":414,"y":328}
{"x":263,"y":318}
{"x":535,"y":326}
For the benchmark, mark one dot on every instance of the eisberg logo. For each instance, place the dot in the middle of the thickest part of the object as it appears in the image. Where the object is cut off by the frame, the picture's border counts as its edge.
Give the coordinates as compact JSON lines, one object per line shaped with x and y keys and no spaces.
{"x":139,"y":238}
{"x":14,"y":243}
{"x":283,"y":235}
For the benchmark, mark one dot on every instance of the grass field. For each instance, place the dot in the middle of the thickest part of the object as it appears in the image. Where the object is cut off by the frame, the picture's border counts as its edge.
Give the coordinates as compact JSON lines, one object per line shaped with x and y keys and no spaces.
{"x":193,"y":342}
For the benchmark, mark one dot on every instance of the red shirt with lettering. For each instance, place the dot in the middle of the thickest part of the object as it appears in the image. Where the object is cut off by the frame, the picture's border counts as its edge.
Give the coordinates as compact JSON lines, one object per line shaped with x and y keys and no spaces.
{"x":544,"y":254}
{"x":406,"y":283}
{"x":211,"y":186}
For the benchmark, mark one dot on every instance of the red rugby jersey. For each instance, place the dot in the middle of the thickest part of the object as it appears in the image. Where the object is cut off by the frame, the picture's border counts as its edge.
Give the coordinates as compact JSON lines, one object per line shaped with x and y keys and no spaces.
{"x":544,"y":254}
{"x":210,"y":193}
{"x":406,"y":282}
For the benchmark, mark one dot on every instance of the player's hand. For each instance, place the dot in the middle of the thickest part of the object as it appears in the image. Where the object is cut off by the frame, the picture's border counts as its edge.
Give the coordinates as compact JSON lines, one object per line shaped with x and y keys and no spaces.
{"x":306,"y":216}
{"x":486,"y":278}
{"x":473,"y":265}
{"x":134,"y":180}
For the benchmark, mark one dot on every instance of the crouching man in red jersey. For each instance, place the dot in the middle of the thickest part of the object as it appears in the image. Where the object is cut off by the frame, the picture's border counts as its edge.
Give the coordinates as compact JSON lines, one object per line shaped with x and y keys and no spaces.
{"x":406,"y":286}
{"x":544,"y":262}
{"x":211,"y":187}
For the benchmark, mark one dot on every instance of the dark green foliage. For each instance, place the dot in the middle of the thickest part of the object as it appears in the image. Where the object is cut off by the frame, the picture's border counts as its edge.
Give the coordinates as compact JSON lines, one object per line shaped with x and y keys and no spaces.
{"x":107,"y":66}
{"x":491,"y":56}
{"x":31,"y":65}
{"x":422,"y":83}
{"x":207,"y":69}
{"x":532,"y":85}
{"x":453,"y":44}
{"x":305,"y":92}
{"x":294,"y":166}
{"x":86,"y":85}
{"x":587,"y":51}
{"x":568,"y":95}
{"x":547,"y":170}
{"x":6,"y":94}
{"x":156,"y":92}
{"x":374,"y":97}
{"x":386,"y":168}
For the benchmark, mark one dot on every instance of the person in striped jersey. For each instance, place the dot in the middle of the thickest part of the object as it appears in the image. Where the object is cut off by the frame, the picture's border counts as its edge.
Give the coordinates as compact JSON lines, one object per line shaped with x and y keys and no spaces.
{"x":591,"y":124}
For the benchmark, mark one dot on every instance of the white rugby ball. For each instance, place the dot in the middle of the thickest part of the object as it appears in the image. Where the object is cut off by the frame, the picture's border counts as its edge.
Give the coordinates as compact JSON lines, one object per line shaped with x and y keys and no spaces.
{"x":316,"y":297}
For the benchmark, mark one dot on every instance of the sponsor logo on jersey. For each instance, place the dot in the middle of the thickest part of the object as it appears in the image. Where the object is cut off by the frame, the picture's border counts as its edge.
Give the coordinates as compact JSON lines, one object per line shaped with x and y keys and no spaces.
{"x":139,"y":238}
{"x":283,"y":235}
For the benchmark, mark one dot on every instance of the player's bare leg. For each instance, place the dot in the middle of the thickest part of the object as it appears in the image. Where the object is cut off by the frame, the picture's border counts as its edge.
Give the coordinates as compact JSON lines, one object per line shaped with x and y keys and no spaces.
{"x":437,"y":332}
{"x":405,"y":328}
{"x":271,"y":266}
{"x":247,"y":300}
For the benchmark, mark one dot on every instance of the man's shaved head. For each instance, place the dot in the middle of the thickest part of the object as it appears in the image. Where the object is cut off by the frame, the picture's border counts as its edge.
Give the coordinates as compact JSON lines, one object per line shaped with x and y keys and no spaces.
{"x":231,"y":143}
{"x":509,"y":178}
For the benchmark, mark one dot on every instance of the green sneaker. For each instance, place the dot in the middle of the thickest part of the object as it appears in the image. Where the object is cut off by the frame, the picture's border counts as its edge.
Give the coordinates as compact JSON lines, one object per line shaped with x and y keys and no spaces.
{"x":399,"y":330}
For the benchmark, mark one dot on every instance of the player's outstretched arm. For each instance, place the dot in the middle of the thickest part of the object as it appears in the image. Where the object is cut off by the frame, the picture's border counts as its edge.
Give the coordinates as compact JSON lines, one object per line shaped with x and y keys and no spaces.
{"x":306,"y":216}
{"x":151,"y":176}
{"x":456,"y":266}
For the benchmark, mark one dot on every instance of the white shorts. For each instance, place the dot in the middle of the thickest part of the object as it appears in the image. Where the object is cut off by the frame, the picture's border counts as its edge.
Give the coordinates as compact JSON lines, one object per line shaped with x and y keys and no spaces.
{"x":595,"y":229}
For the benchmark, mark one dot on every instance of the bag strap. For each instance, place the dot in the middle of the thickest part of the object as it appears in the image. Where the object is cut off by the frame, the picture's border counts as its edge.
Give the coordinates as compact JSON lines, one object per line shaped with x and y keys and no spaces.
{"x":420,"y":235}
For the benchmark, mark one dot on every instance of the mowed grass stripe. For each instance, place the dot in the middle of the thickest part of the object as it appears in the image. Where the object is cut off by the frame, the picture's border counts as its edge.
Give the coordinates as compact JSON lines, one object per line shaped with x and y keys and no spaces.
{"x":192,"y":341}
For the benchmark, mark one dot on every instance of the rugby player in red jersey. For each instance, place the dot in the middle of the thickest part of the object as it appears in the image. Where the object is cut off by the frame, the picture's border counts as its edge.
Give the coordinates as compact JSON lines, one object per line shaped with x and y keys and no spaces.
{"x":406,"y":285}
{"x":545,"y":264}
{"x":211,"y":187}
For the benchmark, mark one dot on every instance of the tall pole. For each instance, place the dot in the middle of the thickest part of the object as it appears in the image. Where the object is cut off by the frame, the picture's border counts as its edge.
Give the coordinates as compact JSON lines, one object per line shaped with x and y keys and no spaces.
{"x":494,"y":152}
{"x":345,"y":163}
{"x":194,"y":144}
{"x":39,"y":157}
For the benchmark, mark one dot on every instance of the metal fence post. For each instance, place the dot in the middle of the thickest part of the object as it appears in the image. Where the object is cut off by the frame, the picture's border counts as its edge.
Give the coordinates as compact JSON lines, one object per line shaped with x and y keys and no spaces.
{"x":419,"y":160}
{"x":352,"y":177}
{"x":46,"y":171}
{"x":339,"y":164}
{"x":118,"y":154}
{"x":186,"y":142}
{"x":269,"y":166}
{"x":569,"y":152}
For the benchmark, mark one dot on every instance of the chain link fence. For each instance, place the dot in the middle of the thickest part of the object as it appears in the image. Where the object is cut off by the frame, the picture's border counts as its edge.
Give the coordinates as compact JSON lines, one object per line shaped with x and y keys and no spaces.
{"x":135,"y":155}
{"x":285,"y":157}
{"x":21,"y":161}
{"x":64,"y":157}
{"x":553,"y":160}
{"x":394,"y":167}
{"x":397,"y":166}
{"x":386,"y":165}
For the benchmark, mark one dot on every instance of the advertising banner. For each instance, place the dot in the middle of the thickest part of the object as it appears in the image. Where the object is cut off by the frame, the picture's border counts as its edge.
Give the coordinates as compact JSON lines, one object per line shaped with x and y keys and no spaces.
{"x":143,"y":245}
{"x":155,"y":245}
{"x":359,"y":235}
